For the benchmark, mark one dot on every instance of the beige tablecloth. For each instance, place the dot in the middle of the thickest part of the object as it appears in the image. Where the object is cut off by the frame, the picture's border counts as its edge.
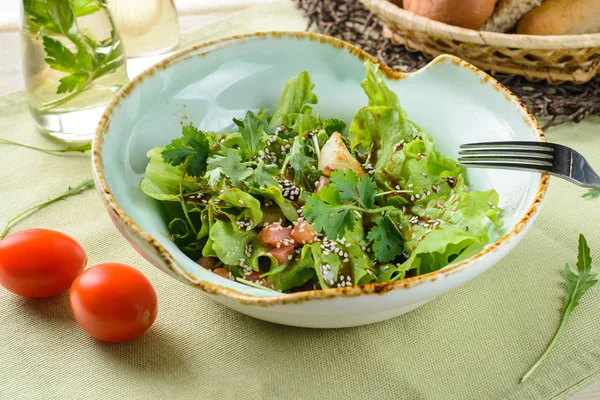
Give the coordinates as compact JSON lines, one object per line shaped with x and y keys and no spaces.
{"x":473,"y":343}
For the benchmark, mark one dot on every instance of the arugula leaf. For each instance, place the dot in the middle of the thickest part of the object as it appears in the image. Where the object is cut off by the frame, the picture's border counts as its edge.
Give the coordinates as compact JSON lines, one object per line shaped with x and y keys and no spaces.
{"x":230,"y":165}
{"x":387,"y":239}
{"x":252,"y":130}
{"x":192,"y":149}
{"x":300,"y":162}
{"x":592,"y":194}
{"x":264,"y":176}
{"x":577,"y":285}
{"x":326,"y":213}
{"x":334,"y":125}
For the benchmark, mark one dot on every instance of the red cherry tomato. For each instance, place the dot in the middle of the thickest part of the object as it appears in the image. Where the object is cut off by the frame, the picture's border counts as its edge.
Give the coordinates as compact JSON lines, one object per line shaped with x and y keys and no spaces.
{"x":39,"y":262}
{"x":113,"y":302}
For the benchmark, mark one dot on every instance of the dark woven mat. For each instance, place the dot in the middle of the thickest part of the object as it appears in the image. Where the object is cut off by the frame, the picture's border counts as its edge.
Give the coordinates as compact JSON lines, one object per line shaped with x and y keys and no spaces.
{"x":349,"y":20}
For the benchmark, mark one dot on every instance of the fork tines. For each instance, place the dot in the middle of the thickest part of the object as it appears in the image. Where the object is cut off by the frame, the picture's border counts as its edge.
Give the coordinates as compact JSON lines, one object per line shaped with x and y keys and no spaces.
{"x":521,"y":155}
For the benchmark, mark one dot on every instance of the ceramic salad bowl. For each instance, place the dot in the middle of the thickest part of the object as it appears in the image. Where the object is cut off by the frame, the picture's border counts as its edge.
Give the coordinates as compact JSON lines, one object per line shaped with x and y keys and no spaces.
{"x":210,"y":84}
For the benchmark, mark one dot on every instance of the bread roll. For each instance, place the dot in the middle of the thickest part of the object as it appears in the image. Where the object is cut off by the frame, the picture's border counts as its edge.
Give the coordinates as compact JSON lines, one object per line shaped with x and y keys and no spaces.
{"x":562,"y":17}
{"x":464,"y":13}
{"x":508,"y":13}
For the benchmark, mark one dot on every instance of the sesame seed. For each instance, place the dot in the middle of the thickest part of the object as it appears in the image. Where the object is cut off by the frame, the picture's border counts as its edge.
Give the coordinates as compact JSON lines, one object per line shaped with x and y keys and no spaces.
{"x":410,"y":185}
{"x":241,"y":201}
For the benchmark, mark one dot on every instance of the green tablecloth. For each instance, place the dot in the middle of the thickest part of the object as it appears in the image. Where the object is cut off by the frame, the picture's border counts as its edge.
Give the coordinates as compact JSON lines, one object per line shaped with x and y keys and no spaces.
{"x":473,"y":343}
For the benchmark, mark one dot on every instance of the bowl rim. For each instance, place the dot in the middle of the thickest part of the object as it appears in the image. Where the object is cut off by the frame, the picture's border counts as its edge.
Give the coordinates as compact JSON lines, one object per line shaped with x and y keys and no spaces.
{"x":121,"y":217}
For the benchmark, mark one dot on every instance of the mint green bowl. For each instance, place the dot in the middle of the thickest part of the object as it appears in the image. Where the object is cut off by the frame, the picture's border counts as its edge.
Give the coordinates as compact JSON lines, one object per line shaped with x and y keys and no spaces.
{"x":210,"y":84}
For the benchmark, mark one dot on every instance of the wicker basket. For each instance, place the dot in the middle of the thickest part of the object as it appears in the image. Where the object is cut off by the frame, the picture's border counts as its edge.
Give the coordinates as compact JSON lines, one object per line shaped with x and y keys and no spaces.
{"x":557,"y":59}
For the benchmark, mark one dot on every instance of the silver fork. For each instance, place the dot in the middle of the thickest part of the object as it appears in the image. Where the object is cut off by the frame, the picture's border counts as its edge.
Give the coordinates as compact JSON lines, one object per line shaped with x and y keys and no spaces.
{"x":555,"y":159}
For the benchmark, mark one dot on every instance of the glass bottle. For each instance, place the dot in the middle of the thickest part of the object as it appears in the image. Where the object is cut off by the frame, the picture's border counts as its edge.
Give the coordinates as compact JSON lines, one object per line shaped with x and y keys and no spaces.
{"x":147,"y":27}
{"x":73,"y":63}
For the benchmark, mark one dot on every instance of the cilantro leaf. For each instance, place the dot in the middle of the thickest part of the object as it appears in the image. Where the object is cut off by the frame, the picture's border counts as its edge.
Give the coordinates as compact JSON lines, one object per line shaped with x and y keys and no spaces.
{"x":326,"y":213}
{"x":367,"y":189}
{"x":387,"y":239}
{"x":229,"y":165}
{"x":334,"y":125}
{"x":345,"y":183}
{"x":592,"y":194}
{"x":192,"y":149}
{"x":351,"y":188}
{"x":577,"y":285}
{"x":252,"y":130}
{"x":298,"y":161}
{"x":264,"y":176}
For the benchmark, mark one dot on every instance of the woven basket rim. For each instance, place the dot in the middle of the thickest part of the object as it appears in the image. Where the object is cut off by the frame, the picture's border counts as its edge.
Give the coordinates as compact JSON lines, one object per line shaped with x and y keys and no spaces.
{"x":415,"y":22}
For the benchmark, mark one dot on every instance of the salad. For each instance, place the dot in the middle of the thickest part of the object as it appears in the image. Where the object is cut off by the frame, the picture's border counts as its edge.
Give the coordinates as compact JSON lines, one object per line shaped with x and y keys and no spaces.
{"x":293,"y":201}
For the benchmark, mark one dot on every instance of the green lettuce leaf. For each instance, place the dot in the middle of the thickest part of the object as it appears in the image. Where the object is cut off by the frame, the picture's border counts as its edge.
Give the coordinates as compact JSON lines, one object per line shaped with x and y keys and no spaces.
{"x":239,"y":199}
{"x":229,"y":243}
{"x":294,"y":99}
{"x":296,"y":273}
{"x":274,"y":193}
{"x":161,"y":181}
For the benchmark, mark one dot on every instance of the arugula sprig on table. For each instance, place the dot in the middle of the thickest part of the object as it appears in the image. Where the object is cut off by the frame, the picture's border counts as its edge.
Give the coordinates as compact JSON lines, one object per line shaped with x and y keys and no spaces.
{"x":50,"y":17}
{"x":592,"y":194}
{"x":70,"y":149}
{"x":82,"y":187}
{"x":577,"y":284}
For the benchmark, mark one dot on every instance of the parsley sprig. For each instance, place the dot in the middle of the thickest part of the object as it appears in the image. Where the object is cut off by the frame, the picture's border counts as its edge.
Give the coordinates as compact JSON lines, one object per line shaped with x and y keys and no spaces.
{"x":577,"y":285}
{"x":90,"y":61}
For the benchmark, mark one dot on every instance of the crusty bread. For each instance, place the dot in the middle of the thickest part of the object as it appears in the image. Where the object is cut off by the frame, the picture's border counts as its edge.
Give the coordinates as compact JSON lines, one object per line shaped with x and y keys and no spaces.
{"x":465,"y":13}
{"x":562,"y":17}
{"x":508,"y":13}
